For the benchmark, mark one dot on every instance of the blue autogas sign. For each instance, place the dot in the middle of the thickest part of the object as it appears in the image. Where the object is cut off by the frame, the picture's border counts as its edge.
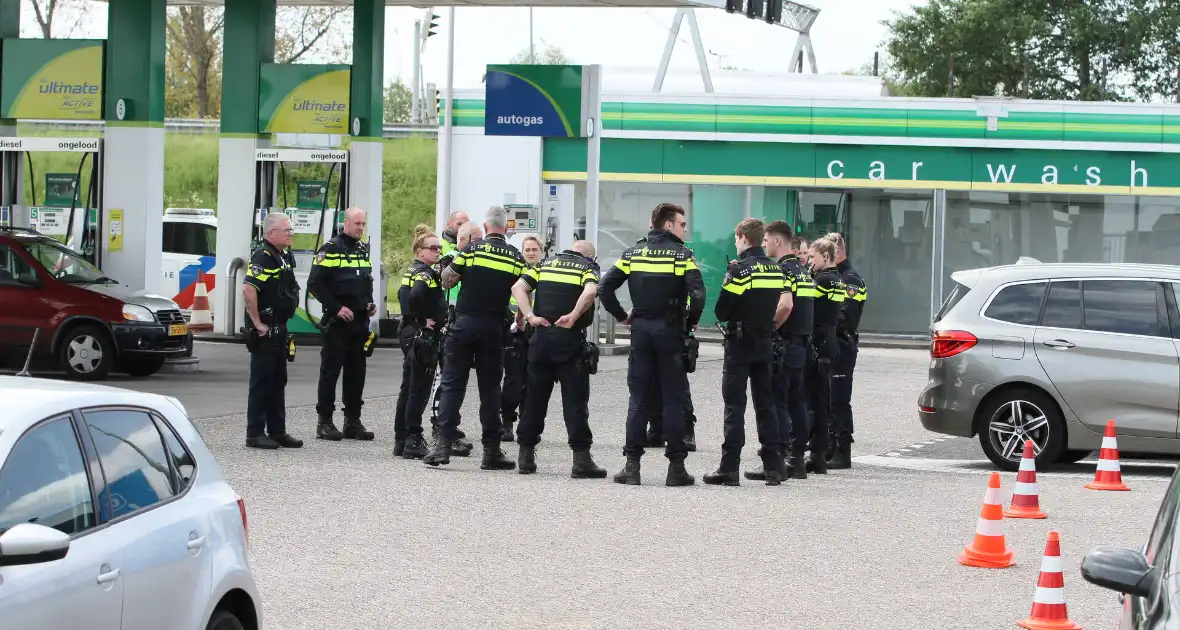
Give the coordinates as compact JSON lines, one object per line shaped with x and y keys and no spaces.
{"x":533,"y":100}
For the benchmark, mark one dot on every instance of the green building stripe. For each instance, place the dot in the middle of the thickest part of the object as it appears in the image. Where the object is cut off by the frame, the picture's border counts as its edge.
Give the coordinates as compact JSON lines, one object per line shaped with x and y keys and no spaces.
{"x":797,"y":164}
{"x":868,"y":122}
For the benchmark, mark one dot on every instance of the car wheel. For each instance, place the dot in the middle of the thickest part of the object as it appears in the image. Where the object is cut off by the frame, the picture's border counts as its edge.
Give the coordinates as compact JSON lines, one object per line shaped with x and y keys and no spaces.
{"x":86,"y":354}
{"x":142,"y":366}
{"x":224,"y":620}
{"x":1072,"y":456}
{"x":1017,"y":415}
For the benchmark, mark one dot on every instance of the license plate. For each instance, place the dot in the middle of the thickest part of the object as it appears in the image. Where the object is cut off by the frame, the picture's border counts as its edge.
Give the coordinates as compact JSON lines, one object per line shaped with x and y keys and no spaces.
{"x":176,"y":330}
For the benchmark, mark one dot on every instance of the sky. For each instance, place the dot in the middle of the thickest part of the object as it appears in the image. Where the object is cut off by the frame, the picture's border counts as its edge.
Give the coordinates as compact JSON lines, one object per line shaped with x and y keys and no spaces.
{"x":845,"y":36}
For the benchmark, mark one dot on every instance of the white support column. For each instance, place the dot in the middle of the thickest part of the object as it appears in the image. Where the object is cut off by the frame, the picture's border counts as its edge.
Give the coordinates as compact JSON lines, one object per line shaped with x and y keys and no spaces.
{"x":446,"y":143}
{"x":364,"y":191}
{"x":133,"y":181}
{"x":236,"y":184}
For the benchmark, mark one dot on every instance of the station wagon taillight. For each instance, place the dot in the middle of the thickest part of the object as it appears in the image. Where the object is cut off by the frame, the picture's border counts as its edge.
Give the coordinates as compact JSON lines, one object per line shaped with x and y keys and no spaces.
{"x":948,"y":343}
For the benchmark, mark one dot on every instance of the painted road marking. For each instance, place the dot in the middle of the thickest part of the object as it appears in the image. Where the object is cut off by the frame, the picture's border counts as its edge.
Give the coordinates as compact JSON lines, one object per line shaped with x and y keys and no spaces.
{"x":1130,"y":470}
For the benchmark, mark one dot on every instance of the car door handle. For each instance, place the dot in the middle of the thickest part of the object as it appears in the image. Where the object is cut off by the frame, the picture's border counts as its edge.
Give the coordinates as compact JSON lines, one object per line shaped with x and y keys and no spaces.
{"x":108,"y":577}
{"x":196,"y":543}
{"x":1060,"y":344}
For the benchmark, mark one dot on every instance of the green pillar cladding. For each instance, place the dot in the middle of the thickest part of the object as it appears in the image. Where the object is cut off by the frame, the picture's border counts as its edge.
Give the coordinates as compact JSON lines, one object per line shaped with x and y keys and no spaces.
{"x":249,"y":40}
{"x":136,"y":49}
{"x":368,"y":67}
{"x":9,"y":29}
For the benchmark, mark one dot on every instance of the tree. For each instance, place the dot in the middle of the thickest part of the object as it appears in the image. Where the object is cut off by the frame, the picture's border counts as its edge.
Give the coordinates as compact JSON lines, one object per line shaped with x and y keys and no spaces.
{"x":1047,"y":49}
{"x":65,"y":15}
{"x":549,"y":55}
{"x":398,"y":102}
{"x":306,"y":30}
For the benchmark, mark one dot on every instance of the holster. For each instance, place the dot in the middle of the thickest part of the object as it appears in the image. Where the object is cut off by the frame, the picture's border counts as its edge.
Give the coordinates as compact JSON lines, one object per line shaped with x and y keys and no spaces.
{"x":424,"y":349}
{"x":690,"y":353}
{"x":590,"y":356}
{"x":778,"y":360}
{"x":370,"y":344}
{"x":290,"y":348}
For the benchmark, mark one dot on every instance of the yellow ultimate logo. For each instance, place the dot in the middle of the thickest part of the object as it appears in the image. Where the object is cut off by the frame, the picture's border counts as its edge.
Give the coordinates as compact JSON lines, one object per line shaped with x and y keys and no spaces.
{"x":318,"y":105}
{"x":68,"y":87}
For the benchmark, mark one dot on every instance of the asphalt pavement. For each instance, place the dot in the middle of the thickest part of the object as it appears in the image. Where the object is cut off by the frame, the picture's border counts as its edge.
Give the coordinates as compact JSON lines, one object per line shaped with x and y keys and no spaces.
{"x":344,"y":536}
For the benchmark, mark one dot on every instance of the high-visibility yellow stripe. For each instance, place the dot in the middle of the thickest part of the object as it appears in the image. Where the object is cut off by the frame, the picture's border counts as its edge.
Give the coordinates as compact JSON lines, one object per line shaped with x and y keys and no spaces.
{"x":623,"y":265}
{"x":767,"y":284}
{"x":343,"y":263}
{"x":549,"y":275}
{"x":495,"y":256}
{"x":810,"y":292}
{"x":656,"y":268}
{"x":736,"y":289}
{"x":481,"y":261}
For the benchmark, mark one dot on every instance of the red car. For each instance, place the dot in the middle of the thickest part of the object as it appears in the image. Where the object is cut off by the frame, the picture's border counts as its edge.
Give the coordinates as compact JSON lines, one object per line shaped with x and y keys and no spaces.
{"x":89,"y":324}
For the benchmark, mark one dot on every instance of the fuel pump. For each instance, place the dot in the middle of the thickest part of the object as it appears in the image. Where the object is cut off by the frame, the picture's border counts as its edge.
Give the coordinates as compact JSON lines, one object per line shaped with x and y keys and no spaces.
{"x":522,"y":219}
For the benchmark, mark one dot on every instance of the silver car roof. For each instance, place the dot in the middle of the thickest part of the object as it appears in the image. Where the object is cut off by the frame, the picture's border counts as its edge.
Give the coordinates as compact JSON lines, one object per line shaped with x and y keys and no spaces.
{"x":1032,"y":269}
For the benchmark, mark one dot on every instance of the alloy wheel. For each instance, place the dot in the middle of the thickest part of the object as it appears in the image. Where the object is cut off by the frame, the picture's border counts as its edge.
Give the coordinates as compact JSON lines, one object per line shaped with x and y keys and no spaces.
{"x":1015,"y":422}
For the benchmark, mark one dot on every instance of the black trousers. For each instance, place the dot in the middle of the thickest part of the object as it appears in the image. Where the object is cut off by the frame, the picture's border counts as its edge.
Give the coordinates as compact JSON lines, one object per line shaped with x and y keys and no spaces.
{"x":790,"y":398}
{"x":748,"y":361}
{"x":479,"y":342}
{"x":414,"y":393}
{"x":655,"y":410}
{"x":266,"y":406}
{"x":656,"y":358}
{"x":842,"y":371}
{"x":556,"y":356}
{"x":819,"y":393}
{"x":516,"y":377}
{"x":343,"y":351}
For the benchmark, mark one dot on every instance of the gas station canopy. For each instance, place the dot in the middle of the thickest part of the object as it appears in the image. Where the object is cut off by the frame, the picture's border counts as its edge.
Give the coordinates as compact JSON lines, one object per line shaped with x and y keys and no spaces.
{"x":704,"y":4}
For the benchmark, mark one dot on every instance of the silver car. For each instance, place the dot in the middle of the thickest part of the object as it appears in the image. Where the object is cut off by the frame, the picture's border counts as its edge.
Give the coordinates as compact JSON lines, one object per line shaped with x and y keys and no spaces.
{"x":1050,"y":353}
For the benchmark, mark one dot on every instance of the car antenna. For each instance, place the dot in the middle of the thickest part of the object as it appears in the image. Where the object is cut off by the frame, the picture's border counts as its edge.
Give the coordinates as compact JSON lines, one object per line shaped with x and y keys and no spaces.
{"x":29,"y":358}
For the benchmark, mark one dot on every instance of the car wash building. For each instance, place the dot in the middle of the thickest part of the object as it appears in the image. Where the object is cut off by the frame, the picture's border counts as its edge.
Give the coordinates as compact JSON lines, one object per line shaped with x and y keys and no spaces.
{"x":919,"y":187}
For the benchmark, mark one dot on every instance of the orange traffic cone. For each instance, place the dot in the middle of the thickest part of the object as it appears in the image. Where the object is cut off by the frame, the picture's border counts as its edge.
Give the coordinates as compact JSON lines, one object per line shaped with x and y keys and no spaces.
{"x":1026,"y":502}
{"x":1108,"y":476}
{"x":1048,"y":608}
{"x":201,"y":316}
{"x":989,"y":549}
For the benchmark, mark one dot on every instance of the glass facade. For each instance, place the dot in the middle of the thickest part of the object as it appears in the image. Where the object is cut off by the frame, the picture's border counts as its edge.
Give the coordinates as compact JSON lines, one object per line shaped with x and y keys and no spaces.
{"x":905,"y":243}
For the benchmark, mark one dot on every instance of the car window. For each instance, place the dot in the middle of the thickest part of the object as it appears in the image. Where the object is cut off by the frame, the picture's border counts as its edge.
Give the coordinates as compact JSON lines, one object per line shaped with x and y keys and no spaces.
{"x":1063,"y":306}
{"x":1125,"y":306}
{"x":168,"y":242}
{"x":63,"y":263}
{"x":13,"y":267}
{"x":182,"y":461}
{"x":44,"y":481}
{"x":957,"y":293}
{"x":192,"y":239}
{"x":208,"y":240}
{"x":1017,"y":303}
{"x":133,"y":459}
{"x":1165,"y":521}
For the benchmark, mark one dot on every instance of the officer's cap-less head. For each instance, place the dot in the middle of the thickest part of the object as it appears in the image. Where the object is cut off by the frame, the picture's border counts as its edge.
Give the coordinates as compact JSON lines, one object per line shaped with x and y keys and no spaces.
{"x":750,"y":231}
{"x":670,"y":217}
{"x":354,"y":222}
{"x":276,"y":229}
{"x":469,"y":232}
{"x":496,"y":220}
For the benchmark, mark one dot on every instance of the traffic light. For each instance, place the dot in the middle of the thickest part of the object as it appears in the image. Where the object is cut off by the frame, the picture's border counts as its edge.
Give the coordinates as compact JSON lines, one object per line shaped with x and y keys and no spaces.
{"x":438,"y":104}
{"x":431,"y":25}
{"x":733,"y":6}
{"x":754,"y":9}
{"x":774,"y":11}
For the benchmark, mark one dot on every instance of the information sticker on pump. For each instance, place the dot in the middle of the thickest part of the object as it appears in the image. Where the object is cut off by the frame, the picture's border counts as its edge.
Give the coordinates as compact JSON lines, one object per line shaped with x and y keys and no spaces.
{"x":49,"y":221}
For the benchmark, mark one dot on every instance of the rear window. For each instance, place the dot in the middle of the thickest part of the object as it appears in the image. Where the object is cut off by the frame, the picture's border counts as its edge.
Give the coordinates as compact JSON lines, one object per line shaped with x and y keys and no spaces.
{"x":957,"y":294}
{"x":1063,"y":309}
{"x":1017,"y":304}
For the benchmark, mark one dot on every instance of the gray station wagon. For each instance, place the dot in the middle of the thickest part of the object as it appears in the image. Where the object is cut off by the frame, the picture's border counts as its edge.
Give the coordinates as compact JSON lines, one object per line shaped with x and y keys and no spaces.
{"x":1050,"y":352}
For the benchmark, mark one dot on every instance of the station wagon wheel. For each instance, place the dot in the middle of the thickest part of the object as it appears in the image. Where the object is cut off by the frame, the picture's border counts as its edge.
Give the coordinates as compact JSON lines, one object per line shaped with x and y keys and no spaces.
{"x":1018,"y":415}
{"x":224,"y":620}
{"x":86,"y":354}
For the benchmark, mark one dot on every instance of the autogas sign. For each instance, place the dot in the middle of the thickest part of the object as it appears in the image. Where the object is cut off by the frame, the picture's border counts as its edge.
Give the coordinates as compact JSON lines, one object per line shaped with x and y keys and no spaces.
{"x":52,"y":79}
{"x":304,"y":98}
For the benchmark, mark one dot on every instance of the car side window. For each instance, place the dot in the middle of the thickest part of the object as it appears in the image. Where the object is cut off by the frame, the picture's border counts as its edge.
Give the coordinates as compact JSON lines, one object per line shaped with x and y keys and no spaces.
{"x":1063,"y":306}
{"x":183,"y":465}
{"x":133,"y":458}
{"x":168,"y":240}
{"x":13,"y":268}
{"x":1017,"y":303}
{"x":44,"y":481}
{"x":1125,"y":306}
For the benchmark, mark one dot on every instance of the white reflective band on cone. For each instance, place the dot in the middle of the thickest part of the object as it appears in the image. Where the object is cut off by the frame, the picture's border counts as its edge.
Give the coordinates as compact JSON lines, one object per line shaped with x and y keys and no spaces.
{"x":1109,"y":442}
{"x":1051,"y":564}
{"x":1049,"y":595}
{"x":1024,"y":488}
{"x":1028,"y":464}
{"x":986,"y":527}
{"x":1108,"y":465}
{"x":992,"y":496}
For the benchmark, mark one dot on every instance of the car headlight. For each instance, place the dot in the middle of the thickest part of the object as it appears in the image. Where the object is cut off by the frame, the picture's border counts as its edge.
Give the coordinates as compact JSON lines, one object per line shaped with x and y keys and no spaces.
{"x":135,"y":313}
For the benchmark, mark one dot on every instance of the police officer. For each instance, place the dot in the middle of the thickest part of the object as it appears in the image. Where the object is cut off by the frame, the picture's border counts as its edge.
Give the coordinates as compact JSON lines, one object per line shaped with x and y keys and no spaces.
{"x":565,"y":287}
{"x":271,"y":294}
{"x":488,"y":268}
{"x":825,"y":349}
{"x":450,"y":236}
{"x":752,"y":303}
{"x":467,"y":233}
{"x":663,"y":275}
{"x":845,"y":363}
{"x":424,"y":313}
{"x":342,"y":280}
{"x":516,"y":350}
{"x":790,"y":402}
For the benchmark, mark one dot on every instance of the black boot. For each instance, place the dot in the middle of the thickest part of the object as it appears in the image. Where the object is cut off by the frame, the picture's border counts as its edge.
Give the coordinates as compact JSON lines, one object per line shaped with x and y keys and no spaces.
{"x":494,"y":459}
{"x":690,"y":442}
{"x":655,"y":439}
{"x":629,"y":475}
{"x":286,"y":440}
{"x":399,"y":447}
{"x":842,"y":459}
{"x":527,"y":460}
{"x":817,"y":464}
{"x":798,"y":467}
{"x":440,"y":454}
{"x":462,"y":447}
{"x":506,"y":434}
{"x":326,"y":429}
{"x":585,"y":468}
{"x":677,"y":475}
{"x":415,"y":447}
{"x":354,"y":430}
{"x":723,"y":478}
{"x":261,"y":441}
{"x":774,"y":471}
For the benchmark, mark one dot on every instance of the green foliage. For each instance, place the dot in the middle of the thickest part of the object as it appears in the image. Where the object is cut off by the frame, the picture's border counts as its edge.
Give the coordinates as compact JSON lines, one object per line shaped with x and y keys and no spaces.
{"x":398,"y":102}
{"x":546,"y":54}
{"x":190,"y":180}
{"x":1043,"y":49}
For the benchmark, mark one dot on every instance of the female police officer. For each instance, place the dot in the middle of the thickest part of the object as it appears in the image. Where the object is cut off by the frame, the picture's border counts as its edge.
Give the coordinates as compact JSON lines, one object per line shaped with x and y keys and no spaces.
{"x":424,"y":313}
{"x":828,"y":303}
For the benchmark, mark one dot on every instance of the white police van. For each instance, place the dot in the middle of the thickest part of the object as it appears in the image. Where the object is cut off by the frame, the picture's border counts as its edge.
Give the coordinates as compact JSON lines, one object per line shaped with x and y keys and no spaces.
{"x":189,"y":246}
